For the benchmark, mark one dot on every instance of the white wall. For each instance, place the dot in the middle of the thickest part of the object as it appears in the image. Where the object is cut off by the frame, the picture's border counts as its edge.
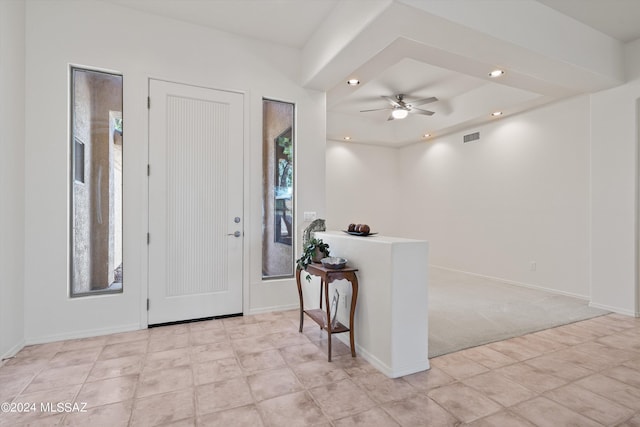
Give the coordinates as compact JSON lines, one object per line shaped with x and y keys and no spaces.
{"x":362,"y":187}
{"x":615,"y":116}
{"x":11,"y":177}
{"x":140,"y":46}
{"x":490,"y":207}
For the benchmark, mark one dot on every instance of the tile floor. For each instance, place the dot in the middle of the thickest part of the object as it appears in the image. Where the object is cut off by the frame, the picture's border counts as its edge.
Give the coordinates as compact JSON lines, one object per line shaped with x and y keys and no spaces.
{"x":259,"y":371}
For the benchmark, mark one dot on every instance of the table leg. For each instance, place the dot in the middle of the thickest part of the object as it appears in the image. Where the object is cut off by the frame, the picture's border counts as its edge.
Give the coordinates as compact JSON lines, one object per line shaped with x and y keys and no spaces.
{"x":301,"y":300}
{"x":328,"y":310}
{"x":354,"y":297}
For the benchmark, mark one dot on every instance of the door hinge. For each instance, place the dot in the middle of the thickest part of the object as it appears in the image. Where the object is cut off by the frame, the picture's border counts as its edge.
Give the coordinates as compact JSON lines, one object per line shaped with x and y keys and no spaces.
{"x":147,"y":304}
{"x":148,"y":238}
{"x":148,"y":170}
{"x":148,"y":102}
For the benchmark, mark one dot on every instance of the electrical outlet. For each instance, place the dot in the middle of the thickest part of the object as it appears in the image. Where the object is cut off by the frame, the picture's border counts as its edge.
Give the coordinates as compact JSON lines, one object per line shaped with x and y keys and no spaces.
{"x":533,"y":266}
{"x":310,"y":216}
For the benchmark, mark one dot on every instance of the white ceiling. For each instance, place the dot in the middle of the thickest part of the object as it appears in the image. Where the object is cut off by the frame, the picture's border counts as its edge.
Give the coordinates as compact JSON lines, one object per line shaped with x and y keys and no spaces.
{"x":550,"y":49}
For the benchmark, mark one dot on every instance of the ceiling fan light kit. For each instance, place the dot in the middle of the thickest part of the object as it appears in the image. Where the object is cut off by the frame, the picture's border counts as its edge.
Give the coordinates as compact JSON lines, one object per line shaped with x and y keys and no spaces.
{"x":400,"y":109}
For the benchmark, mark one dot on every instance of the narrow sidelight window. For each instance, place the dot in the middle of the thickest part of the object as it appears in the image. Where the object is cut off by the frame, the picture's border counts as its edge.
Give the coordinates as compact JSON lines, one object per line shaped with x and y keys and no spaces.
{"x":96,"y":182}
{"x":278,"y":225}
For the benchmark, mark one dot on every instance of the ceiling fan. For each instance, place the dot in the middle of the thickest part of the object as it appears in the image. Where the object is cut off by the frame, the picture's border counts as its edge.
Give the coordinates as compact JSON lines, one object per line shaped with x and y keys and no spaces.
{"x":401,"y":108}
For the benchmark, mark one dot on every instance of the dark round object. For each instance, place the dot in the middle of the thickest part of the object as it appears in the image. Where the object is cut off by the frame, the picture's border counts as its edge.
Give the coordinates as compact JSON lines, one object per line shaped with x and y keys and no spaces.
{"x":357,"y":230}
{"x":365,"y":229}
{"x":352,"y":227}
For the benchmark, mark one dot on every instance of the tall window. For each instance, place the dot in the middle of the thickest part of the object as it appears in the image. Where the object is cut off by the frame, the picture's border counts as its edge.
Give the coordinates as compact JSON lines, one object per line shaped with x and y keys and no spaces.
{"x":278,"y":226}
{"x":96,"y":182}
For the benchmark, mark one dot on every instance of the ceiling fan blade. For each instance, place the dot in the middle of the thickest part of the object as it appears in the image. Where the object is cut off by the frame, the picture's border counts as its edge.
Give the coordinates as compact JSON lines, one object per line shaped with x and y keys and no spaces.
{"x":391,"y":117}
{"x":421,"y":111}
{"x":393,"y":101}
{"x":424,"y":101}
{"x":376,"y":109}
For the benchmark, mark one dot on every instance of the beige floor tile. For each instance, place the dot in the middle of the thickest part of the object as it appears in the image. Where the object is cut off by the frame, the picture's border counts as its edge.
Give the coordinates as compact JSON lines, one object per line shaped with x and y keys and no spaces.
{"x":609,"y":355}
{"x":316,"y":373}
{"x":162,"y":381}
{"x":279,"y":325}
{"x":208,"y":336}
{"x":374,"y":417}
{"x":187,"y":422}
{"x":207,"y":325}
{"x":104,"y":392}
{"x":84,"y":343}
{"x":251,"y":345}
{"x":501,"y":419}
{"x":545,"y":413}
{"x":612,"y":389}
{"x":124,"y":349}
{"x":458,"y":366}
{"x":167,"y":359}
{"x":419,"y":410}
{"x":633,"y":364}
{"x":245,"y":416}
{"x":223,"y":395}
{"x":11,"y":384}
{"x":215,"y":351}
{"x":287,"y":339}
{"x":428,"y":380}
{"x":59,"y":377}
{"x":75,"y":357}
{"x":169,"y":342}
{"x":487,"y":357}
{"x":341,"y":399}
{"x":625,"y":374}
{"x":115,"y":414}
{"x":169,"y":330}
{"x":338,"y":348}
{"x":465,"y":403}
{"x":589,"y":404}
{"x":551,"y":365}
{"x":623,"y":341}
{"x":581,"y":331}
{"x":121,"y":366}
{"x":141,"y":335}
{"x":269,"y":359}
{"x":231,"y":322}
{"x":163,"y":408}
{"x":499,"y":388}
{"x":562,"y":336}
{"x":515,"y":348}
{"x":216,"y":370}
{"x":272,"y":383}
{"x":383,"y":389}
{"x":245,"y":331}
{"x":631,"y":422}
{"x":297,"y":354}
{"x":296,"y":409}
{"x":44,"y":410}
{"x":531,"y":377}
{"x":353,"y":366}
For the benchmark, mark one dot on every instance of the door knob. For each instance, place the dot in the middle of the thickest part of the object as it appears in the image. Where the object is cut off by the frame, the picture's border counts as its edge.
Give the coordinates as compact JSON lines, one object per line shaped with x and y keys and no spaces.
{"x":235,"y":234}
{"x":236,"y":219}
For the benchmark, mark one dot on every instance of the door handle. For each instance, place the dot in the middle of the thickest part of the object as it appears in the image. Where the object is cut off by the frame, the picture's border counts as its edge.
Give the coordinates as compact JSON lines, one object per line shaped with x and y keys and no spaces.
{"x":235,"y":234}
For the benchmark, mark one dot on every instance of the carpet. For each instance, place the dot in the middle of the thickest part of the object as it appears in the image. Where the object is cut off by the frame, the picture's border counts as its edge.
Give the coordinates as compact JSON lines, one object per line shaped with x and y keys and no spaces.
{"x":467,"y":311}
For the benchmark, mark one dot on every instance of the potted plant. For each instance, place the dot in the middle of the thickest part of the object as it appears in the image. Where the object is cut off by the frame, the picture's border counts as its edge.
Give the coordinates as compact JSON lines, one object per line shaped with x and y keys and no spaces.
{"x":313,"y":251}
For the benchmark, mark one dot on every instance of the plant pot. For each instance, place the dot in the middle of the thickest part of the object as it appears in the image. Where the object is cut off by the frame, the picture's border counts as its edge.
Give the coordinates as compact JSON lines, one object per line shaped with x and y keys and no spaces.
{"x":318,"y":255}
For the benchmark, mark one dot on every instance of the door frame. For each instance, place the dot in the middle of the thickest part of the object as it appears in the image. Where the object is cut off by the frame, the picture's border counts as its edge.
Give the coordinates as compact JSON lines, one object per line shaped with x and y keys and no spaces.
{"x":246,"y":199}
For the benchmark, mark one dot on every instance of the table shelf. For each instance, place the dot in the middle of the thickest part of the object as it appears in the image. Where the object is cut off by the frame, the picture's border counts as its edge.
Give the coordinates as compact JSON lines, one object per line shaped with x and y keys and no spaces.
{"x":320,"y":317}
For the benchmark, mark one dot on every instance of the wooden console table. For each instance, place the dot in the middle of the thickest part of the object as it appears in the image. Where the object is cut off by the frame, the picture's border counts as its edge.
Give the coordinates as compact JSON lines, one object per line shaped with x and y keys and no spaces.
{"x":323,"y":318}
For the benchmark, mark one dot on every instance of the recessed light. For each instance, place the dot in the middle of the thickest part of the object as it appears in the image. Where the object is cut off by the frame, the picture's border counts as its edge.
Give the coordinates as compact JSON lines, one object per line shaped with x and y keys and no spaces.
{"x":426,"y":135}
{"x":496,"y":113}
{"x":496,"y":73}
{"x":353,"y":82}
{"x":347,"y":138}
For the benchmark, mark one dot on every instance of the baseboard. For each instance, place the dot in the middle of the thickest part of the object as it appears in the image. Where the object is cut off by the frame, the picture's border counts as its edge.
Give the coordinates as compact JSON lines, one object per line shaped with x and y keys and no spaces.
{"x":615,"y":309}
{"x":513,"y":282}
{"x":87,"y":333}
{"x":262,"y":310}
{"x":383,"y":367}
{"x":12,"y":351}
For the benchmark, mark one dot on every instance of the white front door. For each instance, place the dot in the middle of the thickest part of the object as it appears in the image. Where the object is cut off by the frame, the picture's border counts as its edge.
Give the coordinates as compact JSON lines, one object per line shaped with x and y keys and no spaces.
{"x":195,"y":202}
